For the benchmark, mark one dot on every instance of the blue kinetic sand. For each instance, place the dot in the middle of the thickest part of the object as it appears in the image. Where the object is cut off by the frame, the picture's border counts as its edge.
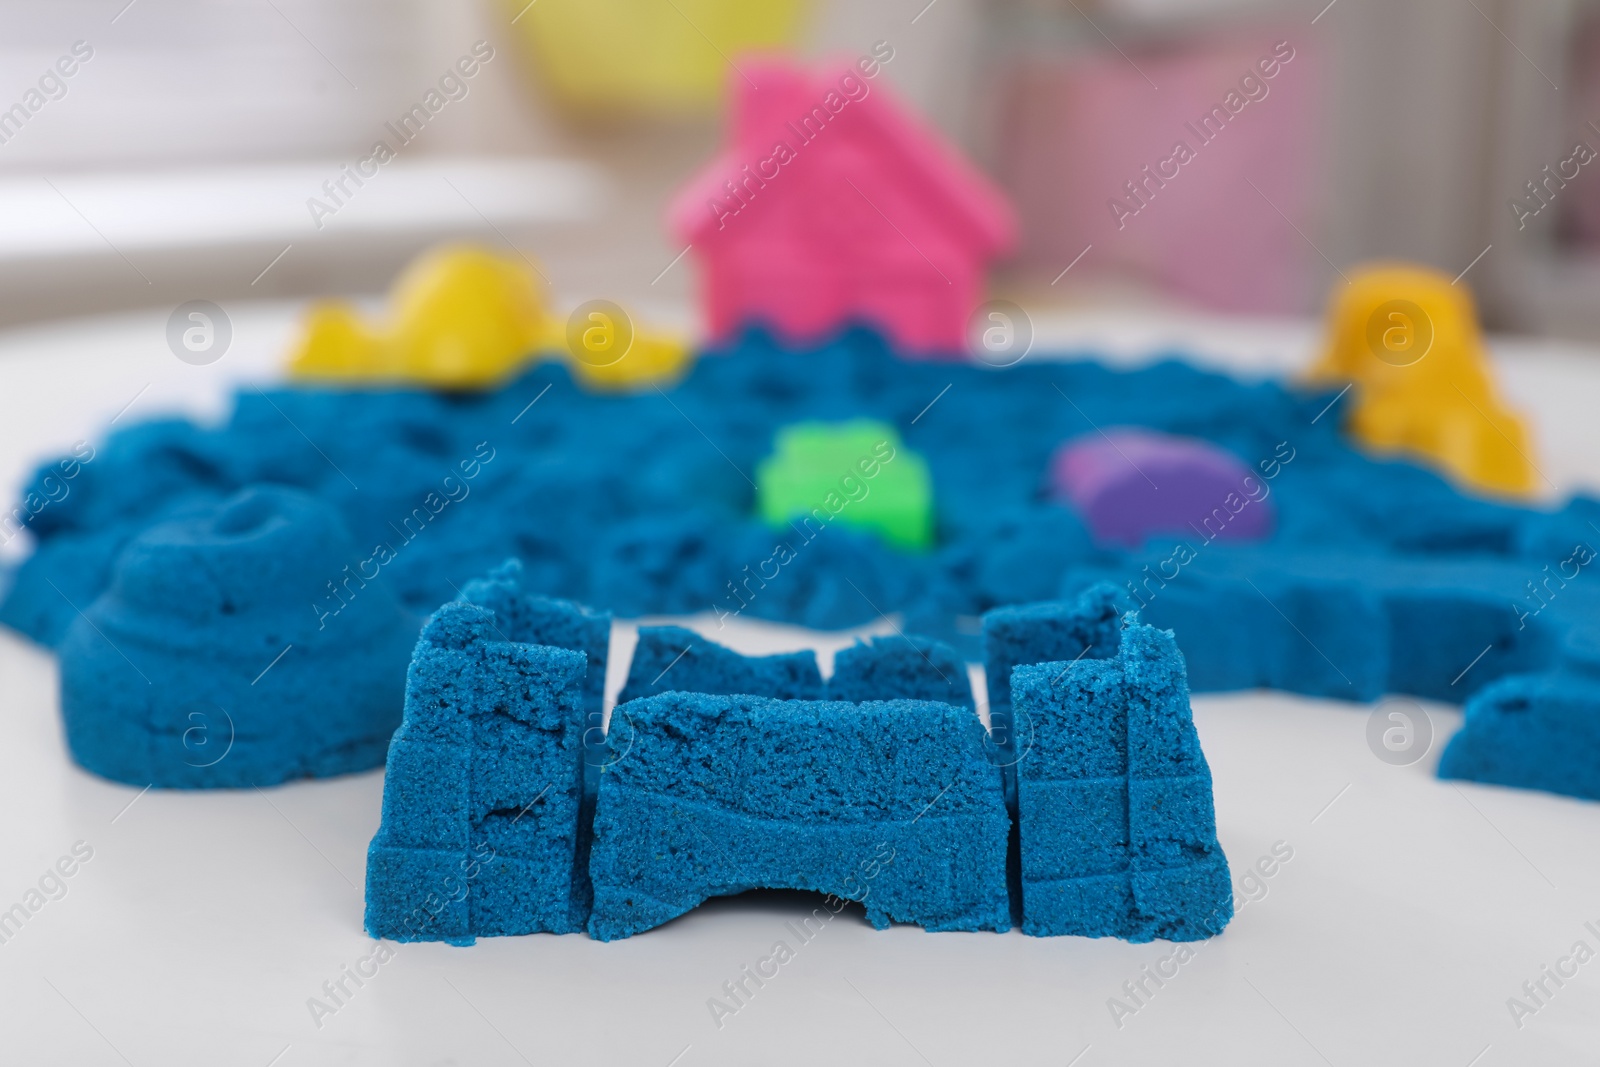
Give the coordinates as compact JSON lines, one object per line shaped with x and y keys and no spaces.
{"x":671,"y":658}
{"x":157,"y":470}
{"x":524,"y":616}
{"x":644,"y":504}
{"x":1088,"y":626}
{"x":482,"y":829}
{"x":1304,"y":622}
{"x":1267,"y":628}
{"x":204,"y":665}
{"x":904,"y":667}
{"x":1532,"y":732}
{"x":890,"y":804}
{"x":1117,"y":831}
{"x":897,"y":805}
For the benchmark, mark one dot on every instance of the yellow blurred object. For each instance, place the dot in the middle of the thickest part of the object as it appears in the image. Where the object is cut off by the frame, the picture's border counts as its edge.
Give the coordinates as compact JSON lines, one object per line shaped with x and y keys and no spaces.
{"x":667,"y":56}
{"x":337,"y":344}
{"x":461,"y":317}
{"x":1408,"y":340}
{"x":649,"y":361}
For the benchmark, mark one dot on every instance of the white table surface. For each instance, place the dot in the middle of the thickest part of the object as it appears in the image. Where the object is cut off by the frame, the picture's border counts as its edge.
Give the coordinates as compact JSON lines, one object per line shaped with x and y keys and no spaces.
{"x":1410,"y":911}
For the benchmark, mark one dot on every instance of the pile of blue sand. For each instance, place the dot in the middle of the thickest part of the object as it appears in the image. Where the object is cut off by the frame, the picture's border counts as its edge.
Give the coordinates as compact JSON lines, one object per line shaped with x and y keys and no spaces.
{"x":484,"y":826}
{"x":1117,"y":831}
{"x":895,"y":804}
{"x":719,"y":794}
{"x":643,"y":504}
{"x":201,"y":665}
{"x":622,"y":501}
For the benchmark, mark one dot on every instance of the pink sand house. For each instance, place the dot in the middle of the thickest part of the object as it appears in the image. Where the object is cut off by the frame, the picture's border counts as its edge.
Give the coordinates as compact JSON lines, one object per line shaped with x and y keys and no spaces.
{"x":833,"y":203}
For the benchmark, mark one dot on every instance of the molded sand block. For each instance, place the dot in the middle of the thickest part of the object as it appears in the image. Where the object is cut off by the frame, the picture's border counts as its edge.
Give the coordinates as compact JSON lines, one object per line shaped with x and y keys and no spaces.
{"x":1131,"y":484}
{"x":1437,"y":634}
{"x":890,"y":804}
{"x":1531,"y":731}
{"x":671,"y":658}
{"x":1088,"y":627}
{"x":482,"y":829}
{"x":1315,"y":636}
{"x":1118,"y":833}
{"x":1267,"y":628}
{"x":526,"y":617}
{"x":1220,"y":621}
{"x":1324,"y":637}
{"x":858,"y":472}
{"x":900,"y":668}
{"x":206,"y":664}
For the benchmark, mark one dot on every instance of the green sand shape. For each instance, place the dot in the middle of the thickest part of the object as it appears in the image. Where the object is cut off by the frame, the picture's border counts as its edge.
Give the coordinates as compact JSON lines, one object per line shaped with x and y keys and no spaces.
{"x":857,"y":472}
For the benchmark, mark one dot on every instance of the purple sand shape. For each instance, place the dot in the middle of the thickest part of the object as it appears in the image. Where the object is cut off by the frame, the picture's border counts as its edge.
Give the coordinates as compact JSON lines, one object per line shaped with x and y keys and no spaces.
{"x":1130,"y":484}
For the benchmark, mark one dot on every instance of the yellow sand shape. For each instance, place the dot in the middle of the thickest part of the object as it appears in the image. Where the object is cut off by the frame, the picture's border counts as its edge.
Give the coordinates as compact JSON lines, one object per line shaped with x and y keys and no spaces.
{"x":649,"y":361}
{"x":464,"y":317}
{"x":1409,"y":342}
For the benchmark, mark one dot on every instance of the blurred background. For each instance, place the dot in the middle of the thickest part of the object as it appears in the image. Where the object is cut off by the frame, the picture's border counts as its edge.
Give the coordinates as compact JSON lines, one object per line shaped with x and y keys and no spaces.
{"x":157,"y":151}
